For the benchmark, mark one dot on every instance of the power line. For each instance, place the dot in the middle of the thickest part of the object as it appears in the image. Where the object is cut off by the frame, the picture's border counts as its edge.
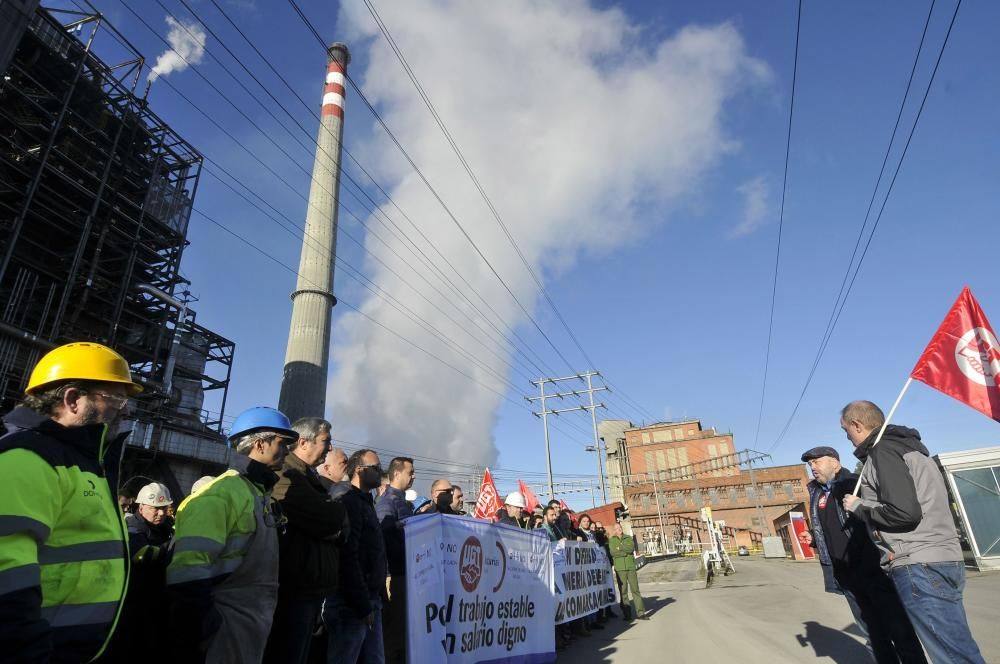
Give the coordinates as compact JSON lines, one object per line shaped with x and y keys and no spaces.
{"x":309,"y":25}
{"x":435,"y":194}
{"x":781,"y":222}
{"x":475,"y":180}
{"x":472,"y":176}
{"x":839,"y":304}
{"x":270,"y":139}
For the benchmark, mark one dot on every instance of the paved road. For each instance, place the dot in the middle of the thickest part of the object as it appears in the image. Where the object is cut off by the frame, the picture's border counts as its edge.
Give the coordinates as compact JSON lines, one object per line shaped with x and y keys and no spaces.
{"x":771,"y":611}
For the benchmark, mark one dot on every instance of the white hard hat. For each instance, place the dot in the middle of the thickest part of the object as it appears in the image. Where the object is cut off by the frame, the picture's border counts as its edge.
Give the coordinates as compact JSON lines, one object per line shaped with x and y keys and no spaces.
{"x":201,"y":483}
{"x":516,"y":499}
{"x":154,"y":495}
{"x":411,"y":495}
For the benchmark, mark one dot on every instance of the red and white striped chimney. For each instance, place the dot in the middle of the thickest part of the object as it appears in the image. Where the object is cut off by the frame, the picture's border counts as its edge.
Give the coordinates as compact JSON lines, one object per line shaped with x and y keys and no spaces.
{"x":303,"y":385}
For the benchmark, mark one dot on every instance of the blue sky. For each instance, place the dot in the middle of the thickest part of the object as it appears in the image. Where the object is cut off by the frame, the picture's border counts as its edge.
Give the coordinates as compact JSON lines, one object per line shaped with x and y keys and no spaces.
{"x":659,"y":253}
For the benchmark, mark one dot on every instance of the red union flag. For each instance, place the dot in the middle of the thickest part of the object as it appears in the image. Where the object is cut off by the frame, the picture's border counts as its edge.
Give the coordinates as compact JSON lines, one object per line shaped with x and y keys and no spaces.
{"x":963,"y":358}
{"x":488,"y":502}
{"x":530,"y":499}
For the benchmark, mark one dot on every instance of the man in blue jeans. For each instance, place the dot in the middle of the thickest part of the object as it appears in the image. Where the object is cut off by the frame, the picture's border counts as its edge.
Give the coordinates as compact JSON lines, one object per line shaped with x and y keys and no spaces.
{"x":353,"y":616}
{"x":904,"y":503}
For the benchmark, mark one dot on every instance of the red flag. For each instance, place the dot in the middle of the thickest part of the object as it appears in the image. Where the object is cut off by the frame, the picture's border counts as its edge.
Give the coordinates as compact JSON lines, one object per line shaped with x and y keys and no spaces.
{"x":488,"y":502}
{"x":530,"y":499}
{"x":963,"y":358}
{"x":563,"y":505}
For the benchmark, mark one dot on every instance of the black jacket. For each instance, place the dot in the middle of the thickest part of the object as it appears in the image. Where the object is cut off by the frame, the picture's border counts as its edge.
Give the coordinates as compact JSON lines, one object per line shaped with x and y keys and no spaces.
{"x":861,"y":558}
{"x":504,"y":517}
{"x":362,"y":560}
{"x":309,"y":549}
{"x":141,"y":620}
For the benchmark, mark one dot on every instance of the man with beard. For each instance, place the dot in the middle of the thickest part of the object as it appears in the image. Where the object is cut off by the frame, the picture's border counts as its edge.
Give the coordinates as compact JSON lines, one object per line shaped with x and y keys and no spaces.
{"x":223,"y":577}
{"x":63,"y":554}
{"x":392,"y":509}
{"x":353,"y":615}
{"x":457,"y":500}
{"x":850,"y":562}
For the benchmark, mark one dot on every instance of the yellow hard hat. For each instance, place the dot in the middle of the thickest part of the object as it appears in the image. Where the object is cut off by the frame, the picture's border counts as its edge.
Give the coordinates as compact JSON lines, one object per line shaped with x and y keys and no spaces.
{"x":81,"y":361}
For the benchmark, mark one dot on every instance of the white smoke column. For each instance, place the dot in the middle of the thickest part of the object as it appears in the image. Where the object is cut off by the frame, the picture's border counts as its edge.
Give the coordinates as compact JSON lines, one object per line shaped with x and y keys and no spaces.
{"x":187,"y":47}
{"x":583,"y":134}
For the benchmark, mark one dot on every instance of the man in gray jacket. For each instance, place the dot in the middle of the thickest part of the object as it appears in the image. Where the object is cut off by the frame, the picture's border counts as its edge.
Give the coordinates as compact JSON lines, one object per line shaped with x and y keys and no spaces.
{"x":904,"y":503}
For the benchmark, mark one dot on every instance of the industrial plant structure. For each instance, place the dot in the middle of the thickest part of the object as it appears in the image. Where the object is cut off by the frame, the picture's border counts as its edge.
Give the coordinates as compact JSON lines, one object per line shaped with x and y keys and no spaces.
{"x":96,"y":194}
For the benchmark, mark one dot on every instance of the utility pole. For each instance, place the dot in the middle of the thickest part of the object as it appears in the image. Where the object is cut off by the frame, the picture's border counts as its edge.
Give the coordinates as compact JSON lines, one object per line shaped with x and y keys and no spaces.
{"x":545,"y":412}
{"x":597,"y":440}
{"x":756,"y":497}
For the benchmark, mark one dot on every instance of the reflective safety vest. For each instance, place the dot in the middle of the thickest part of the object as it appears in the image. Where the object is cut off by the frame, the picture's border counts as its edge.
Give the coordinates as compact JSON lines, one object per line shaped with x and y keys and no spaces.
{"x":213,"y":529}
{"x":63,"y":542}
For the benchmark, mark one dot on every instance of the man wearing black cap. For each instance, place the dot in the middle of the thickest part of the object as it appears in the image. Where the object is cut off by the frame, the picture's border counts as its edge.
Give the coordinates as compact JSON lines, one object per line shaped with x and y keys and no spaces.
{"x":850,"y":562}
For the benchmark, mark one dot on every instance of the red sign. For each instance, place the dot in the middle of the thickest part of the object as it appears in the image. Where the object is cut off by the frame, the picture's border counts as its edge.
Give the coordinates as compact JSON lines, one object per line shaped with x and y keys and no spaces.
{"x":488,"y":502}
{"x":963,"y":358}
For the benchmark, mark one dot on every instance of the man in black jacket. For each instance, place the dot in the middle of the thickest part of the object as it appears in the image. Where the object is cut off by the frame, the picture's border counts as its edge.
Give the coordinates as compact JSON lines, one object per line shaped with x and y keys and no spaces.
{"x":353,"y":615}
{"x":309,"y":552}
{"x":850,"y":562}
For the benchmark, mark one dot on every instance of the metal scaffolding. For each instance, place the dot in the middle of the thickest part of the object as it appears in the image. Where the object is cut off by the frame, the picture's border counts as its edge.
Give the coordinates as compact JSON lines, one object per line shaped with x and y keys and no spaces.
{"x":96,"y":193}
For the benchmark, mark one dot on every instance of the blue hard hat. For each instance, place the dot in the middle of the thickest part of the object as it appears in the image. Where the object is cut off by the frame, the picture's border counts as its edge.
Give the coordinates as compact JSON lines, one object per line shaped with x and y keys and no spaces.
{"x":261,"y":418}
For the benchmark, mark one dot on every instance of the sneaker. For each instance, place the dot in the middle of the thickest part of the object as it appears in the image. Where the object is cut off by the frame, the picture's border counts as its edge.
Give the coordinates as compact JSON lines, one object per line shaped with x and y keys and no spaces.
{"x":644,"y":617}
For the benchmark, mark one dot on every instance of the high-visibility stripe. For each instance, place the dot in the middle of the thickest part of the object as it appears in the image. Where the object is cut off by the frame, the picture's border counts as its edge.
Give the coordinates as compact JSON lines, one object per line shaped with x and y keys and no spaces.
{"x":19,"y":578}
{"x":335,"y":77}
{"x":11,"y":525}
{"x":200,"y":572}
{"x":195,"y":543}
{"x":210,"y":546}
{"x":75,"y":553}
{"x":66,"y":615}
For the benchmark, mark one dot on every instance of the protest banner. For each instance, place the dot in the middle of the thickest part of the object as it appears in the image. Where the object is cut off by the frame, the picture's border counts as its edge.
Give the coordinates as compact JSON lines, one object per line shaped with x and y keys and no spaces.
{"x":584,"y":580}
{"x":478,"y":592}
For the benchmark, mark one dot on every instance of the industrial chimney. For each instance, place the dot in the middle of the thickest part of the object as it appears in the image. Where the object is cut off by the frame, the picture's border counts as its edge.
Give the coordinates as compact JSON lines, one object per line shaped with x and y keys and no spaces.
{"x":303,"y":385}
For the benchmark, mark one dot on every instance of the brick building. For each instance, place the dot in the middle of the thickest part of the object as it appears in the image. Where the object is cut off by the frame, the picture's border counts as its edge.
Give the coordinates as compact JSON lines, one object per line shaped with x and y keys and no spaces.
{"x":659,"y":491}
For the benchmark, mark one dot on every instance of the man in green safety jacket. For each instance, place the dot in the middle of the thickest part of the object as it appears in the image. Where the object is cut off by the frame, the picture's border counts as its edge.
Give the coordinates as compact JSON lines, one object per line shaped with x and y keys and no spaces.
{"x":223,"y":576}
{"x":63,"y":543}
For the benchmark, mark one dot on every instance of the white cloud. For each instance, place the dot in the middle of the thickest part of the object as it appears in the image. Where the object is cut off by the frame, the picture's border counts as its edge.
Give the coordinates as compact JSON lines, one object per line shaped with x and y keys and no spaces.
{"x":187,"y":47}
{"x":582,"y":135}
{"x":756,"y":206}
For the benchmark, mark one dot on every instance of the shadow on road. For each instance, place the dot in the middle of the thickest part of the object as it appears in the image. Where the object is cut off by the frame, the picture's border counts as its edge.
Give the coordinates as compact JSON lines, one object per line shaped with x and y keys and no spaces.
{"x":600,"y":645}
{"x":836,"y":644}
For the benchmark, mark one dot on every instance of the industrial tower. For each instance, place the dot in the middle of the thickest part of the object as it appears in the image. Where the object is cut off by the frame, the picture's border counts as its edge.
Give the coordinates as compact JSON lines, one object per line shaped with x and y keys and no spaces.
{"x":303,"y":384}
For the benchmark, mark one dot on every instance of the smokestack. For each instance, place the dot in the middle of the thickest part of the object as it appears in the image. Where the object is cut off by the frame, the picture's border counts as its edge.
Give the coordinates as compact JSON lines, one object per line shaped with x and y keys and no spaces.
{"x":303,"y":385}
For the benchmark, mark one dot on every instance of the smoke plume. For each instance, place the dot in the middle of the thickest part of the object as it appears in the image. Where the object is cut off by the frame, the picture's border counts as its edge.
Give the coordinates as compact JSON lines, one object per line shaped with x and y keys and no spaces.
{"x":585,"y":132}
{"x":187,"y":47}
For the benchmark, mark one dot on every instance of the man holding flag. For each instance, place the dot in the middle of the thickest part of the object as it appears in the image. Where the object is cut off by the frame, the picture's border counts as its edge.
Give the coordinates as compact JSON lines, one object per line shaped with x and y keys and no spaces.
{"x":904,"y":503}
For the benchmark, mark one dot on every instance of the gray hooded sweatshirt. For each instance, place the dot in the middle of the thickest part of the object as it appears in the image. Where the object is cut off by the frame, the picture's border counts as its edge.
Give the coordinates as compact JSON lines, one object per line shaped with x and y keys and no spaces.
{"x":904,"y":501}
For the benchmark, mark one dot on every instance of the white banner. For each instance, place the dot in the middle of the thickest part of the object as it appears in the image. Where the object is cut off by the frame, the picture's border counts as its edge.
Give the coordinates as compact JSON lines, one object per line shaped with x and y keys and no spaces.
{"x":478,"y":592}
{"x":584,"y":580}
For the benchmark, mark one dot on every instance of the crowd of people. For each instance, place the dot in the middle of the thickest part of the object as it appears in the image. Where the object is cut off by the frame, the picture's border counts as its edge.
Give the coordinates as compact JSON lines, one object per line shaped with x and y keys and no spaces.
{"x":295,"y":554}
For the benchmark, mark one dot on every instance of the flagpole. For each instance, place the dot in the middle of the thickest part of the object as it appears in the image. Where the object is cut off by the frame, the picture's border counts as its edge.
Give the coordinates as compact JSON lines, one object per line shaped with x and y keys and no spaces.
{"x":881,"y":431}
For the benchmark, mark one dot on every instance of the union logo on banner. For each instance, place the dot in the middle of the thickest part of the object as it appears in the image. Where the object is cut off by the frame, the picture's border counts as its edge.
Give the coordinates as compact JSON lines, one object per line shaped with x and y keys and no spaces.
{"x":963,"y":358}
